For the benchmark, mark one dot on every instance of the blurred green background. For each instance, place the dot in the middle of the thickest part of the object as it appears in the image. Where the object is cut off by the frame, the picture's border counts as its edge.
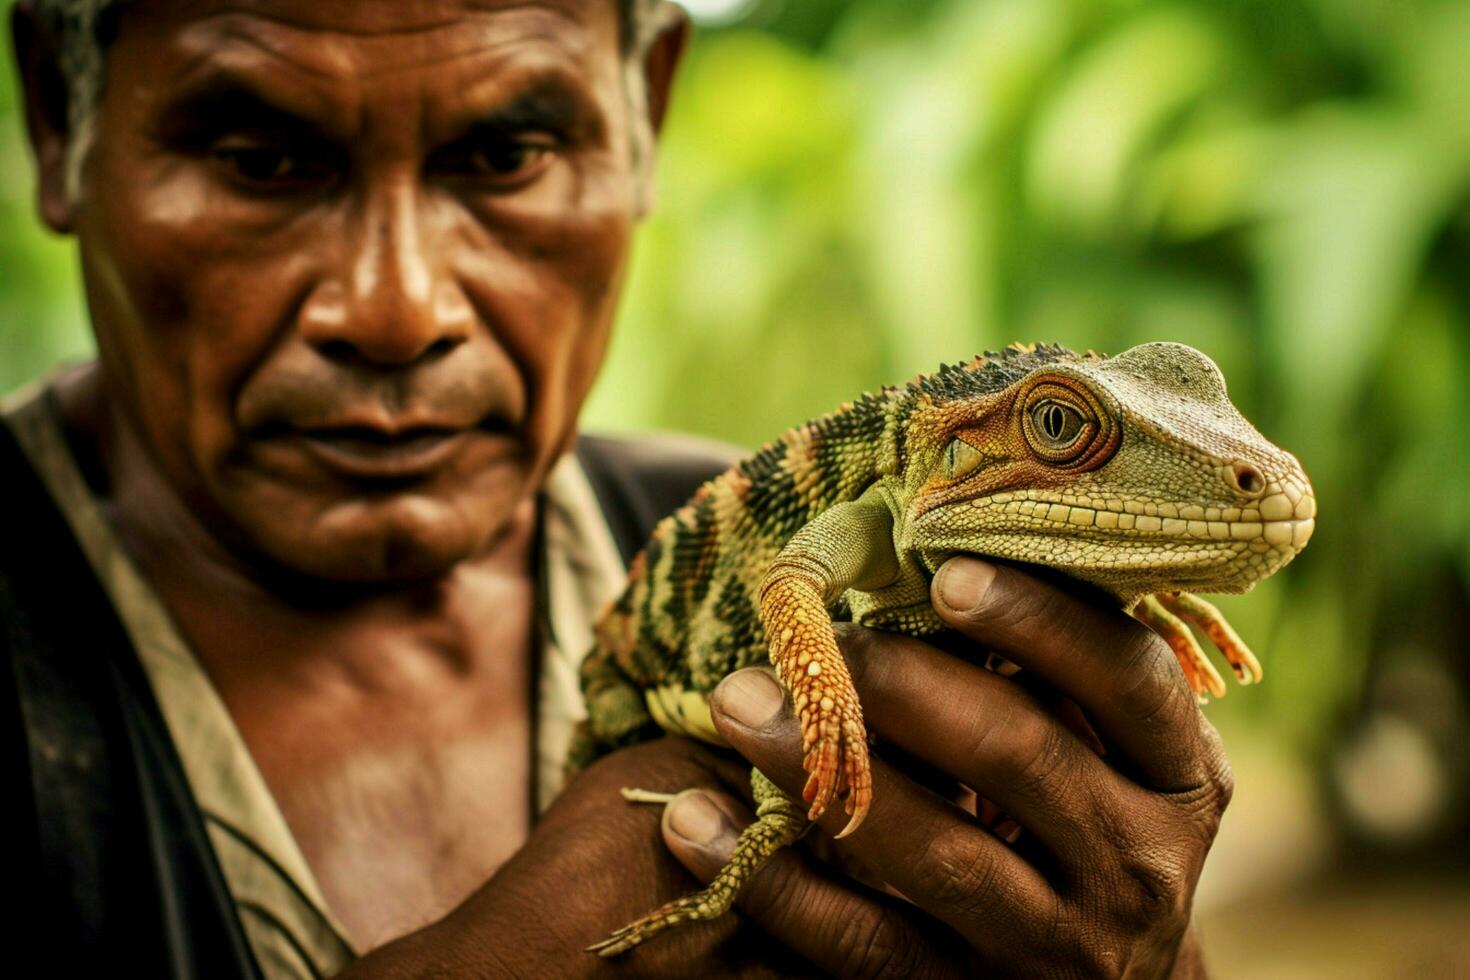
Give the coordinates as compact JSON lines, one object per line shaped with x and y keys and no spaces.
{"x":851,"y":192}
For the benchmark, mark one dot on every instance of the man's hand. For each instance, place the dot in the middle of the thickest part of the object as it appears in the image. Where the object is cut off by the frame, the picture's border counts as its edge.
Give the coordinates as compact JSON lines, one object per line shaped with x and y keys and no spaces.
{"x":593,"y":863}
{"x":1101,"y":882}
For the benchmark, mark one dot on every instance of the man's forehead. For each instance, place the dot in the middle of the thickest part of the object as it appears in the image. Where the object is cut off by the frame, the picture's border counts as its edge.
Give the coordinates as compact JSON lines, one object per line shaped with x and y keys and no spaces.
{"x":369,"y":17}
{"x":334,"y":37}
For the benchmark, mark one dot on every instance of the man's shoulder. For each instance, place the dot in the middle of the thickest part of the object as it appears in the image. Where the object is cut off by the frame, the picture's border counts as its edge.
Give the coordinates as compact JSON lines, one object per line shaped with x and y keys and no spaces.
{"x":638,"y":480}
{"x":658,"y":456}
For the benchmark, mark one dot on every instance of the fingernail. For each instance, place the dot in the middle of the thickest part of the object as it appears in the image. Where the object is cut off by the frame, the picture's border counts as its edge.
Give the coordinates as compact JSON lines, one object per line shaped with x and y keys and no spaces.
{"x":962,"y":583}
{"x":750,"y":697}
{"x":695,"y":818}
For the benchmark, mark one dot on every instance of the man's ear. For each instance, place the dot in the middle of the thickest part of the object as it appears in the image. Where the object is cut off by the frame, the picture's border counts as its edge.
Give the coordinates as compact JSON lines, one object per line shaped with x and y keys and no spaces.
{"x":47,"y":122}
{"x":661,"y":61}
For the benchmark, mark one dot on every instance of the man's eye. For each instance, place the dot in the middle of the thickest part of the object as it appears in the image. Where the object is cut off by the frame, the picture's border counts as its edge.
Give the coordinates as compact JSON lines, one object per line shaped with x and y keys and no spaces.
{"x":268,"y":164}
{"x":506,"y":162}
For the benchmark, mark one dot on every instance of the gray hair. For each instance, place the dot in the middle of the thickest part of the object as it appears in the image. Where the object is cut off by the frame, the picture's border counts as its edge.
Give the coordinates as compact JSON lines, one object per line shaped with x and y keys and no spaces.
{"x":81,"y":30}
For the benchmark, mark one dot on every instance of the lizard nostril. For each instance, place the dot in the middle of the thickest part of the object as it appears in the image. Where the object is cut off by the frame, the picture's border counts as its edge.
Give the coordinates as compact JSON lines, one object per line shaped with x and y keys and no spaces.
{"x":1248,"y":479}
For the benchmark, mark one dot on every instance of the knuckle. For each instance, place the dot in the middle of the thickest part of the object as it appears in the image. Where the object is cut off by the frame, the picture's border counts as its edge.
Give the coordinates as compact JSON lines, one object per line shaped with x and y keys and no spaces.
{"x":993,"y":731}
{"x":1206,"y":800}
{"x":963,"y":876}
{"x":1218,"y":775}
{"x":1121,"y":912}
{"x":1080,"y":947}
{"x":778,"y":891}
{"x":1028,"y":750}
{"x":783,"y":892}
{"x":1099,"y":951}
{"x":867,"y":941}
{"x":1223,"y":778}
{"x":1105,"y":961}
{"x":1159,"y":882}
{"x":871,"y":947}
{"x":1151,"y":891}
{"x":1047,"y":758}
{"x":859,"y":646}
{"x":1155,"y":696}
{"x":1126,"y":907}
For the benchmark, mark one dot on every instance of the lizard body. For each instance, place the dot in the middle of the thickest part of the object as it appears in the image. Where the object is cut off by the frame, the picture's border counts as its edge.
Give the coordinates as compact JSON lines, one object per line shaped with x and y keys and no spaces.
{"x":1133,"y":473}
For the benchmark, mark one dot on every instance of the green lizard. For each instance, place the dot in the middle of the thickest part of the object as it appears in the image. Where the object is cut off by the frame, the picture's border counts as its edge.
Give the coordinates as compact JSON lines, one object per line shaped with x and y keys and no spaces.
{"x":1133,"y":473}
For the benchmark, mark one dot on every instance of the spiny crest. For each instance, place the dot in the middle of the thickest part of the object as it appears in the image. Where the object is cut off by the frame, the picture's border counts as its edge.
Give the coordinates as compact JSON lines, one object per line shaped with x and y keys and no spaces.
{"x":991,"y":371}
{"x":832,"y":458}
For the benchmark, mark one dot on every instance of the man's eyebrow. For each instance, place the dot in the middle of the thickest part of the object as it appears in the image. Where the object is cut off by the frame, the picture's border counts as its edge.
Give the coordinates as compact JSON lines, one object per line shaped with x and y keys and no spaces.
{"x":223,"y":103}
{"x":546,"y":103}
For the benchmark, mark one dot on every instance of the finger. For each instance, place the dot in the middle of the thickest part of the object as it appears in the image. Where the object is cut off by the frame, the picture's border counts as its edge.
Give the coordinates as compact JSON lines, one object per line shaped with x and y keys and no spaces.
{"x":841,"y":928}
{"x":1122,"y":675}
{"x":990,"y":734}
{"x":923,"y":845}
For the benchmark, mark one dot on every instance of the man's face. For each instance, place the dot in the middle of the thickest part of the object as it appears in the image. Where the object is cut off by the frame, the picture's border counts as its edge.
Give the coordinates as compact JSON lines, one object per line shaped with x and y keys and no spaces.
{"x":352,"y":265}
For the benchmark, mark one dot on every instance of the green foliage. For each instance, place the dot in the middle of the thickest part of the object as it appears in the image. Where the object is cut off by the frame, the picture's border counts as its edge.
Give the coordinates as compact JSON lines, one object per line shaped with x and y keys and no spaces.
{"x":41,"y":303}
{"x":1282,"y":183}
{"x":851,"y":192}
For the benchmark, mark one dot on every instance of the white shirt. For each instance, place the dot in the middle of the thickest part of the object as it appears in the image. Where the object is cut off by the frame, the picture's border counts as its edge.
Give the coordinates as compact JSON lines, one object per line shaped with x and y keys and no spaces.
{"x":290,"y":928}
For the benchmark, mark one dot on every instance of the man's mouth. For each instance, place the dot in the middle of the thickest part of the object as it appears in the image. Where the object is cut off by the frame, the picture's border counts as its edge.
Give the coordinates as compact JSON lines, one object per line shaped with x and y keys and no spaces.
{"x":366,"y":453}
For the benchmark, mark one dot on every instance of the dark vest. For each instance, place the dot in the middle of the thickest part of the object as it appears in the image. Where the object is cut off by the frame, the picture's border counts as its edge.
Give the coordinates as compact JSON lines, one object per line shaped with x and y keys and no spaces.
{"x":110,"y":866}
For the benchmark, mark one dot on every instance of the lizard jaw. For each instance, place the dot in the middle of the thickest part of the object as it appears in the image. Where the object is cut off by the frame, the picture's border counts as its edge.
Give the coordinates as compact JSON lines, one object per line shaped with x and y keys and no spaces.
{"x":1129,"y":547}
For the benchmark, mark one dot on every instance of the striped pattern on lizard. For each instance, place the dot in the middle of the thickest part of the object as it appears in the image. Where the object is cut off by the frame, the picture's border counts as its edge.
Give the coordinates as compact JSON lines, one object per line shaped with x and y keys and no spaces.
{"x":1133,"y":473}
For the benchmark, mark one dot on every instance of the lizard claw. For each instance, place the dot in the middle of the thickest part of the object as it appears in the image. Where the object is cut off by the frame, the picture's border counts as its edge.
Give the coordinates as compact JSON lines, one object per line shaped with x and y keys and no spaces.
{"x":1210,"y":621}
{"x":834,"y":740}
{"x":837,"y":760}
{"x":857,"y":776}
{"x":1170,"y":614}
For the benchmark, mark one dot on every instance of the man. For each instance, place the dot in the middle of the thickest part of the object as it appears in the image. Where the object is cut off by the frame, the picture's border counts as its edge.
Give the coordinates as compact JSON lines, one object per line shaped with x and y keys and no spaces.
{"x":351,"y":268}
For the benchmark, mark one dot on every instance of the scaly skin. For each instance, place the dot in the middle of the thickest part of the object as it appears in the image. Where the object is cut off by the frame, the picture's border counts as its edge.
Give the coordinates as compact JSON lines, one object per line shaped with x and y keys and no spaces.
{"x":1133,"y":473}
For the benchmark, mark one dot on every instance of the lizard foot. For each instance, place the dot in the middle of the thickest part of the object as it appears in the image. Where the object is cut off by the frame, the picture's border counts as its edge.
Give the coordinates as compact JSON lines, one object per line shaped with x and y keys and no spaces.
{"x":1170,"y":614}
{"x":834,"y":740}
{"x":1203,"y":678}
{"x":1210,"y":621}
{"x":779,"y":822}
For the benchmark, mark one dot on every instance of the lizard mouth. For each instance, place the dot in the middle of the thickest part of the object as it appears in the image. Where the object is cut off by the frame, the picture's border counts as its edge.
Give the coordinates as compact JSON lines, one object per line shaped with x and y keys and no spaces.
{"x":1292,"y":533}
{"x":1208,"y":547}
{"x":1285,"y":516}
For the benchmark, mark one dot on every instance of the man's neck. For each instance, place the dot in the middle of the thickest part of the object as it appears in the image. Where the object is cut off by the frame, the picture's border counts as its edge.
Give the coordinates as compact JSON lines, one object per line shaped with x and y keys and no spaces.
{"x":392,"y":725}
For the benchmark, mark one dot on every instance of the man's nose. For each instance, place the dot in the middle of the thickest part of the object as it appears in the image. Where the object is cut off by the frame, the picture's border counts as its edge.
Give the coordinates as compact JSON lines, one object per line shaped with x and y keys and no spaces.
{"x":391,"y":301}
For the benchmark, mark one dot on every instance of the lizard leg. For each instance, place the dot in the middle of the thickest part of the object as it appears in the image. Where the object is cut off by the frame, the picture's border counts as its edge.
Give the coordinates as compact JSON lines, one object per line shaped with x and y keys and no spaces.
{"x":778,"y":823}
{"x":1210,"y":621}
{"x":1203,"y":677}
{"x":847,"y":547}
{"x":806,"y":657}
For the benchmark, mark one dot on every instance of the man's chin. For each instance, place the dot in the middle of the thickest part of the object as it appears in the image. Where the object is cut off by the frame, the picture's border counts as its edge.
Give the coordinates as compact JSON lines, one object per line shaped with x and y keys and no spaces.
{"x":384,"y":542}
{"x":382,"y":561}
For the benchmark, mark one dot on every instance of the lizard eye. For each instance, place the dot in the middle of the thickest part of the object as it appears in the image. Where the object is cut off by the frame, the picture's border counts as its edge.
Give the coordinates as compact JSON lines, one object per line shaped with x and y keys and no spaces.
{"x":960,"y":458}
{"x":1068,"y":425}
{"x":1056,"y":425}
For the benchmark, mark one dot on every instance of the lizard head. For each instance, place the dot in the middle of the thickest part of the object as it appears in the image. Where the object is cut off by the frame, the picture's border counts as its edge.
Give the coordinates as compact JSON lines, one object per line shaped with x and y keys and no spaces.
{"x":1134,"y":473}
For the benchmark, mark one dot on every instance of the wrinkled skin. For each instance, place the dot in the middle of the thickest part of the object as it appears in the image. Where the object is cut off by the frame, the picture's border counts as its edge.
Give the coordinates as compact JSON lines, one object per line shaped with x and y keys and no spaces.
{"x":1100,"y":885}
{"x":1102,"y":881}
{"x":340,"y":346}
{"x":308,"y":229}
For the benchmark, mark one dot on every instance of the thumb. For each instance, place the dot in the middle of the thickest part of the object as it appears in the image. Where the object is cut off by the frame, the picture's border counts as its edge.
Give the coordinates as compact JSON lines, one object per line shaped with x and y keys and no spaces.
{"x":843,"y":929}
{"x":700,"y":828}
